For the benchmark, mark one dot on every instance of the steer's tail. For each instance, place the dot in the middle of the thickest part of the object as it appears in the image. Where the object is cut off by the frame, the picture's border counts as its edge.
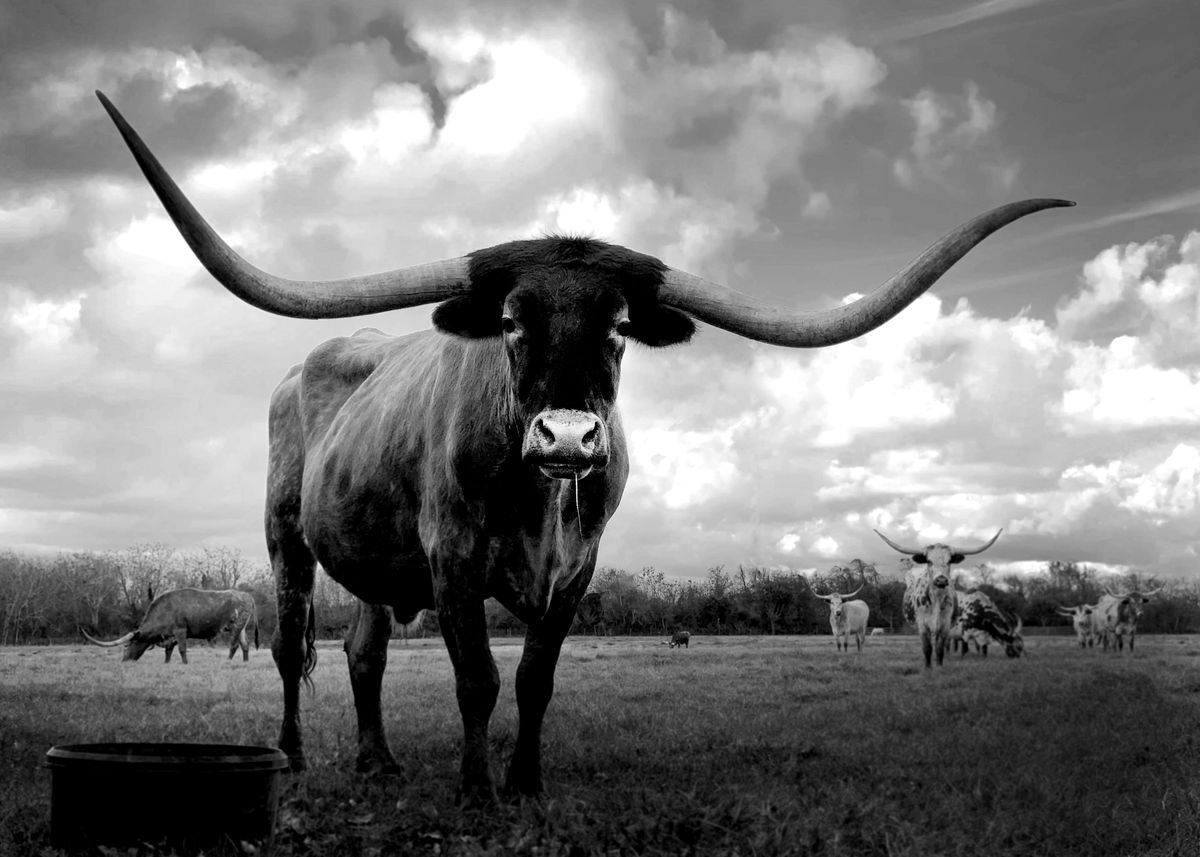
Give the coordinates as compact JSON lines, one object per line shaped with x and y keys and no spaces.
{"x":310,"y":645}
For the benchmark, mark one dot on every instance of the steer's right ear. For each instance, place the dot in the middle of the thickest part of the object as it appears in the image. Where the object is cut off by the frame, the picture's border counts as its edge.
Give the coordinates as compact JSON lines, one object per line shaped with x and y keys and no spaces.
{"x":473,"y":316}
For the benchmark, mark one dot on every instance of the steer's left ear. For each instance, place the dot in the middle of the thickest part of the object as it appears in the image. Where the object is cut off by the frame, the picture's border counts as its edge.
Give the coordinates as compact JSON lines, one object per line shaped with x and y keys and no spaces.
{"x":656,"y":325}
{"x":473,"y":316}
{"x":956,"y":558}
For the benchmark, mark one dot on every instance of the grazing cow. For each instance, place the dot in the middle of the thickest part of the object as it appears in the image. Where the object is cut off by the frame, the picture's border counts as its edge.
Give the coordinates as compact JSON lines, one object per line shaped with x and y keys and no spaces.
{"x":199,"y":613}
{"x":847,"y":618}
{"x":980,"y":621}
{"x":483,"y":458}
{"x":1083,"y":618}
{"x":1116,"y":616}
{"x":929,"y":599}
{"x":679,"y":638}
{"x":877,"y":632}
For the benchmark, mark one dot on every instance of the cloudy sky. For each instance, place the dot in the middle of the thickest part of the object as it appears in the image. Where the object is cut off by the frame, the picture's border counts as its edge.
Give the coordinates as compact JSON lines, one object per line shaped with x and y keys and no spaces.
{"x":801,"y":152}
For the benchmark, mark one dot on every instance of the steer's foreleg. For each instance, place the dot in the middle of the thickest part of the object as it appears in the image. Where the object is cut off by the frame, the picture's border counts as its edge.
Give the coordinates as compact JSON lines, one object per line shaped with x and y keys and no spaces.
{"x":927,"y":647}
{"x":366,"y":655}
{"x":940,"y":639}
{"x":476,"y":681}
{"x":535,"y":684}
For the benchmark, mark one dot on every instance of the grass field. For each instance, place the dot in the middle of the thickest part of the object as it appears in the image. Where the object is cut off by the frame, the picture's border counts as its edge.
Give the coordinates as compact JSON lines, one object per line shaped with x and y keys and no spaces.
{"x":738,"y":745}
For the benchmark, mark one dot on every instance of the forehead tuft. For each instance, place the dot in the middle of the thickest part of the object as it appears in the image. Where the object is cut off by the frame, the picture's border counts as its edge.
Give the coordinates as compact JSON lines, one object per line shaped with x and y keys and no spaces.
{"x":938,"y":554}
{"x":501,"y":267}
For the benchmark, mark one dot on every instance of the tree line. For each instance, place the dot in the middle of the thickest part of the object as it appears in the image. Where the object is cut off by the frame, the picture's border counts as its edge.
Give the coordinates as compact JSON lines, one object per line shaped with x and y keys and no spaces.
{"x":49,"y":598}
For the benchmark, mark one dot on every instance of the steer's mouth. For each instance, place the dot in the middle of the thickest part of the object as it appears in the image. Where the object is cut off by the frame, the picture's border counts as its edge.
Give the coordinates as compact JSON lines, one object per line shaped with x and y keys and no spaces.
{"x":564,"y":470}
{"x":941,"y":581}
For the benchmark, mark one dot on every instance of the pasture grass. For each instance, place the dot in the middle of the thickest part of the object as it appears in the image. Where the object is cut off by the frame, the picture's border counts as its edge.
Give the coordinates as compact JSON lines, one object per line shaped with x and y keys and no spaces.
{"x":737,"y":745}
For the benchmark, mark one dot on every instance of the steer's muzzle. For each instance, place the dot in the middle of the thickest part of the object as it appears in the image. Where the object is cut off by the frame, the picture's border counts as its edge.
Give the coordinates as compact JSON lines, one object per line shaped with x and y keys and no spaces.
{"x":941,"y":581}
{"x":566,"y":444}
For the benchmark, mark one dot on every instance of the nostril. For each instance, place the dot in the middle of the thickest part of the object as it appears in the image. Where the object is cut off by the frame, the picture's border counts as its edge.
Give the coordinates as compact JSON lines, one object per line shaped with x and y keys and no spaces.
{"x":591,"y":437}
{"x":544,"y":435}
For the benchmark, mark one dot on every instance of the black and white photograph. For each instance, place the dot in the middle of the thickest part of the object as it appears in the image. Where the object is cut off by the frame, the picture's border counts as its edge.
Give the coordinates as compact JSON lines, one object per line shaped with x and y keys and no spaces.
{"x":610,"y":428}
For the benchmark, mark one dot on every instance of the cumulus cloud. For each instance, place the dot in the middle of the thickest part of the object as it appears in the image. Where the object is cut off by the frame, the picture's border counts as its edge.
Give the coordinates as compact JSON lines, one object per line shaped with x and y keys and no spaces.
{"x":324,"y":140}
{"x":946,"y":424}
{"x":953,"y":136}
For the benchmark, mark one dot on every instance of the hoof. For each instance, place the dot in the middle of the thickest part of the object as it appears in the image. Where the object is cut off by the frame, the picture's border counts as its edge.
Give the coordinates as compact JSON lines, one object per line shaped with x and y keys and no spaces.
{"x":521,"y":788}
{"x":297,"y":764}
{"x":476,"y":797}
{"x":373,"y":766}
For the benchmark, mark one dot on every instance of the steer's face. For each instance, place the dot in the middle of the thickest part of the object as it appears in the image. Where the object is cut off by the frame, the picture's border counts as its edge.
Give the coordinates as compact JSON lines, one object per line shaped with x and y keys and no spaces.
{"x":136,"y":647}
{"x":939,"y":559}
{"x":564,"y":329}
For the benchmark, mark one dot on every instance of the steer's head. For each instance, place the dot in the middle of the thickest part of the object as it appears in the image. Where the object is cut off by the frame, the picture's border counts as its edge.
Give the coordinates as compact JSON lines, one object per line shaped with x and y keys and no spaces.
{"x":564,"y":309}
{"x":1014,"y":647}
{"x":137,"y":646}
{"x":1131,"y":605}
{"x":1080,"y":615}
{"x":939,"y":558}
{"x":837,"y":603}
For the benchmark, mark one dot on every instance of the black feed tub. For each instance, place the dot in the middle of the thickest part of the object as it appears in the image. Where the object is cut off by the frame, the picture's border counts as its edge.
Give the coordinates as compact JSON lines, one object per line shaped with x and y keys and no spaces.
{"x":194,"y":795}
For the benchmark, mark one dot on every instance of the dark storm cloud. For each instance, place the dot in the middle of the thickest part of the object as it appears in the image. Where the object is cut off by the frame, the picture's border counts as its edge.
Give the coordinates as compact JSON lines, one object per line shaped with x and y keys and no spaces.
{"x":199,"y":122}
{"x":41,"y":39}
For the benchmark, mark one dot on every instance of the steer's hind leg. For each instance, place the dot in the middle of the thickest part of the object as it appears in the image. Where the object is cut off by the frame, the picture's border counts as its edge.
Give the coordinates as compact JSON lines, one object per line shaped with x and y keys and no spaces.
{"x":239,"y":639}
{"x":366,"y":654}
{"x":293,"y":646}
{"x":535,"y":685}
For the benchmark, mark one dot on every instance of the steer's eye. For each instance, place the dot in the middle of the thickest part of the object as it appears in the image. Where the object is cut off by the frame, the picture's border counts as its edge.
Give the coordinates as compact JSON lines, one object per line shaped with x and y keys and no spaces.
{"x":624,"y":327}
{"x":507,"y":324}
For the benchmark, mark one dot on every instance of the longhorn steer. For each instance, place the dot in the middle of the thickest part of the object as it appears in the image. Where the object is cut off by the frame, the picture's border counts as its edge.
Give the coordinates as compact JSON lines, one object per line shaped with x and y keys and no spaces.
{"x":1116,"y":616}
{"x":929,"y":599}
{"x":981,"y":621}
{"x":1083,"y":619}
{"x":846,"y":618}
{"x":199,"y":613}
{"x":483,"y":458}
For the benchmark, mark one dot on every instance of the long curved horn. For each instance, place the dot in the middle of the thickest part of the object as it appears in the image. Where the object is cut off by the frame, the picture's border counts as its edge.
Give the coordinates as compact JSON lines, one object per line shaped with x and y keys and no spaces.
{"x":1062,"y":611}
{"x":852,"y":594}
{"x":744,"y":315}
{"x":120,"y":641}
{"x":1020,"y":625}
{"x":825,"y":597}
{"x":900,"y":548}
{"x":403,"y":287}
{"x":973,"y":551}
